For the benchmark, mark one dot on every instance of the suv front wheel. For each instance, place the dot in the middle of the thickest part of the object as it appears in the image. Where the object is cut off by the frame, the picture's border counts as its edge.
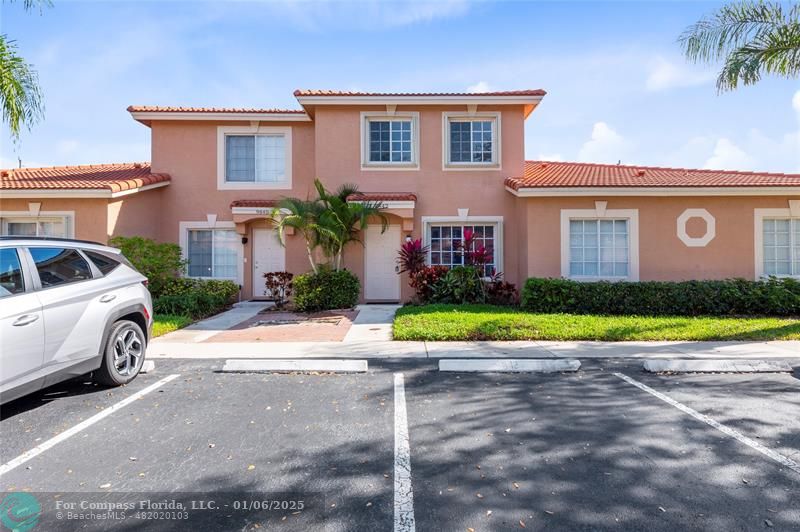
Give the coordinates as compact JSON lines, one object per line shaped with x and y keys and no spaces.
{"x":123,"y":354}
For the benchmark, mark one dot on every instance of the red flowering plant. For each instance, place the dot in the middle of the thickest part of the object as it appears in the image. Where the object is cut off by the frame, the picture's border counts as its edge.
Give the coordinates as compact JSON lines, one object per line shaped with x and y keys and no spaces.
{"x":475,"y":254}
{"x":424,"y":280}
{"x":412,"y":257}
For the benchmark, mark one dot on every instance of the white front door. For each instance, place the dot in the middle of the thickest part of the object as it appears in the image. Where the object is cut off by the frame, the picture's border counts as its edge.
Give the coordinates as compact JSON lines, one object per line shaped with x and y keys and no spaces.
{"x":381,"y":281}
{"x":268,"y":256}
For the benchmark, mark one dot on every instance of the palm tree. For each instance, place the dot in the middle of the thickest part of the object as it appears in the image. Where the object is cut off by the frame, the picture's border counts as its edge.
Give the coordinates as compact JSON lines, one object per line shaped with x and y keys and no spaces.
{"x":302,"y":216}
{"x":751,"y":38}
{"x":344,"y":220}
{"x":20,"y":95}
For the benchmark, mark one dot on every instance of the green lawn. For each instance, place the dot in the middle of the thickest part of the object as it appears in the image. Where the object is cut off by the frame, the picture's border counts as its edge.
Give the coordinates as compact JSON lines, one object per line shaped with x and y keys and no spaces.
{"x":487,"y":322}
{"x":165,"y":323}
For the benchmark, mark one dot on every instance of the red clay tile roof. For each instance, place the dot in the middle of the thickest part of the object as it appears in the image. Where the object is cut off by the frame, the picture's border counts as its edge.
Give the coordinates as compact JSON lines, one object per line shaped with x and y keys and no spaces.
{"x":257,"y":203}
{"x":545,"y":174}
{"x":322,"y":92}
{"x":171,"y":109}
{"x":115,"y":177}
{"x":383,"y":196}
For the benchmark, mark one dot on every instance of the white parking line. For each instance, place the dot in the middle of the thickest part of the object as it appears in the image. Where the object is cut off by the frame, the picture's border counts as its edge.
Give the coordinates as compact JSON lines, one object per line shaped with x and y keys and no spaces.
{"x":783,"y":460}
{"x":292,"y":365}
{"x":403,"y":494}
{"x":39,"y":449}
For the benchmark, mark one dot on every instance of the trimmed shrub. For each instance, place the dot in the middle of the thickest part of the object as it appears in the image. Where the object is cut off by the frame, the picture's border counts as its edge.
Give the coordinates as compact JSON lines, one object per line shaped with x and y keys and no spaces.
{"x":732,"y":297}
{"x":326,"y":290}
{"x":227,"y":290}
{"x":160,"y":262}
{"x":196,"y":305}
{"x":196,"y":298}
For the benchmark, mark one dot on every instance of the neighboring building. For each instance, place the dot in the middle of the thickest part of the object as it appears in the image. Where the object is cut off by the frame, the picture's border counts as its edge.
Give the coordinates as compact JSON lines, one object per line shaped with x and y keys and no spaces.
{"x":440,"y":163}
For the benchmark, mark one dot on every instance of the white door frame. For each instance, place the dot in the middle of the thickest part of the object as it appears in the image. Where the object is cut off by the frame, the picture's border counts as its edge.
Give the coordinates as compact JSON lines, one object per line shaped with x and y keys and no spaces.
{"x":270,"y":232}
{"x":390,"y":227}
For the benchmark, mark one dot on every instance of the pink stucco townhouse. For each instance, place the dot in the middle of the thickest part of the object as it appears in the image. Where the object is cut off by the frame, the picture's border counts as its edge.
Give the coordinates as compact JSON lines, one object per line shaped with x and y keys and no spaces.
{"x":440,"y":163}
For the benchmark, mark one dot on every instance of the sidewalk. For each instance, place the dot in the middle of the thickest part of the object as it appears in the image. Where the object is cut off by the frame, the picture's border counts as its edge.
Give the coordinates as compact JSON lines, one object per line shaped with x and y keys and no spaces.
{"x":370,"y":337}
{"x":390,"y":349}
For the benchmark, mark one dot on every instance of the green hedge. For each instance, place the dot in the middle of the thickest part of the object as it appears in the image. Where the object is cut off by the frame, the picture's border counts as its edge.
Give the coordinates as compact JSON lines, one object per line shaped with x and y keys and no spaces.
{"x":326,"y":290}
{"x":772,"y":297}
{"x":196,"y":298}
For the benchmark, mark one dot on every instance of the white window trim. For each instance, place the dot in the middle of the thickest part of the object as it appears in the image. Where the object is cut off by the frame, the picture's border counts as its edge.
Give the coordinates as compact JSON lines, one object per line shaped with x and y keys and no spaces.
{"x":496,"y":164}
{"x":759,"y":216}
{"x":600,"y":213}
{"x":68,"y":217}
{"x":183,"y":240}
{"x":497,"y":221}
{"x":223,"y":131}
{"x":366,"y":117}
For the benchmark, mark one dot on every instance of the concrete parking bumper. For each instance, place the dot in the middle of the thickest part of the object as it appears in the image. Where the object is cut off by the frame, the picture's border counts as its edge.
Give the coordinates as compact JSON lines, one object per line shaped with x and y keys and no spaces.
{"x":716,"y":366}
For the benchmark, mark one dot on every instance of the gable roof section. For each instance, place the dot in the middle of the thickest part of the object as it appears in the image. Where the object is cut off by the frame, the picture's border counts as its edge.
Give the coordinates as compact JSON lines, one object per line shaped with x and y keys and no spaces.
{"x":95,"y":180}
{"x":549,"y":178}
{"x":147,"y":113}
{"x":528,"y":98}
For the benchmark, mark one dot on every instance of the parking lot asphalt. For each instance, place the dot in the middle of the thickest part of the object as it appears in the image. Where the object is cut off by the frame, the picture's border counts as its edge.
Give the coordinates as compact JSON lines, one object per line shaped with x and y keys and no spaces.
{"x":578,"y":451}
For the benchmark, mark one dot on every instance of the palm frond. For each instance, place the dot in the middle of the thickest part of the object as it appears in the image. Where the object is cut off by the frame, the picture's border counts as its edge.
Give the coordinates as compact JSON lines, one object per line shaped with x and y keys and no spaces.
{"x":751,"y":38}
{"x":20,"y":95}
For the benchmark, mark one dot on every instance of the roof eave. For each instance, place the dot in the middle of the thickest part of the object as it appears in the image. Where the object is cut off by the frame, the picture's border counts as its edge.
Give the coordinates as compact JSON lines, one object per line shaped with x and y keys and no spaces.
{"x":545,"y":192}
{"x":107,"y":192}
{"x":146,"y":117}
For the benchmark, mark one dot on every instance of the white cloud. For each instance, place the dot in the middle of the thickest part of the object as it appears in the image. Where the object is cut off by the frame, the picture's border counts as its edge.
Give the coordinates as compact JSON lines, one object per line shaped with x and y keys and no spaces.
{"x":550,"y":157}
{"x":481,"y":86}
{"x":729,"y":156}
{"x":67,"y":146}
{"x":605,"y":146}
{"x":664,"y":74}
{"x":364,"y":14}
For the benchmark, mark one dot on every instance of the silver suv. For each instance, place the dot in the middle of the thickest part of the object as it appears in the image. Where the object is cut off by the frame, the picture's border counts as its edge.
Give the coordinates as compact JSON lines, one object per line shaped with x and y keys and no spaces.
{"x":67,"y":308}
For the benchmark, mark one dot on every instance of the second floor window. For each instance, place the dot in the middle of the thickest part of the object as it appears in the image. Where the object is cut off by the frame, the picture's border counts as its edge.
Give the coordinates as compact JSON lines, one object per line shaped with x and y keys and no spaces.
{"x":390,"y":141}
{"x":472,"y":141}
{"x":255,"y":158}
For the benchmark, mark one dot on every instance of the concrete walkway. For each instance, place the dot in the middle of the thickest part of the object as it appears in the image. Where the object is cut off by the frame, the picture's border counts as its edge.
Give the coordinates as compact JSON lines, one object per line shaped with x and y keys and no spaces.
{"x":373,"y":323}
{"x":390,"y":349}
{"x":205,"y":329}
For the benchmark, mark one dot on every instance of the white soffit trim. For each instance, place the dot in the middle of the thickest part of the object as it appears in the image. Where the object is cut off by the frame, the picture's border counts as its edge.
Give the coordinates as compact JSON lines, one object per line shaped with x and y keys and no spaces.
{"x":543,"y":192}
{"x":419,"y":100}
{"x":75,"y":193}
{"x":238,"y":117}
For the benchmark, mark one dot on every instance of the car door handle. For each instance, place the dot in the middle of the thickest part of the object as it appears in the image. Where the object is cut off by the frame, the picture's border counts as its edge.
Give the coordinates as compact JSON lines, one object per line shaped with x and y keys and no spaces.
{"x":108,"y":297}
{"x":25,"y":320}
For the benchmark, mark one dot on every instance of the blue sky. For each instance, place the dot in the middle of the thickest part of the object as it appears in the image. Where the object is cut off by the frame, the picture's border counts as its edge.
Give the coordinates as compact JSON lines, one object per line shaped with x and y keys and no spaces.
{"x":617,"y":86}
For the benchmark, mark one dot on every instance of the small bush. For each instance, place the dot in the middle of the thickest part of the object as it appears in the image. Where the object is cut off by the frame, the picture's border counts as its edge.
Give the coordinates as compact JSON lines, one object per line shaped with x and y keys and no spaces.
{"x":732,"y":297}
{"x":461,"y":284}
{"x":194,"y":304}
{"x":227,"y":290}
{"x":325,"y":290}
{"x":423,"y":281}
{"x":196,"y":298}
{"x":160,"y":262}
{"x":278,"y":287}
{"x":499,"y":292}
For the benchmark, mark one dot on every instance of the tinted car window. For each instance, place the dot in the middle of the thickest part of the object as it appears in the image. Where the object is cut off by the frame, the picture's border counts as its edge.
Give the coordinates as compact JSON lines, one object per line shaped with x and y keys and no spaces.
{"x":104,"y":263}
{"x":59,"y":266}
{"x":10,"y":273}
